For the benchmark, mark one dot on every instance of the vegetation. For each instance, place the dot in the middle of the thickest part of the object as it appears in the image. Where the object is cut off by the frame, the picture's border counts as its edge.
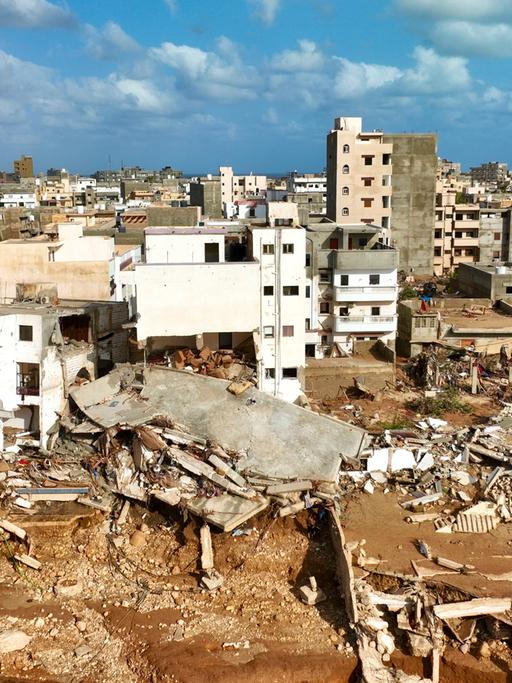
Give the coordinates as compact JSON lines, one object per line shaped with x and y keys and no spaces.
{"x":446,"y":401}
{"x":407,"y":293}
{"x":398,"y":421}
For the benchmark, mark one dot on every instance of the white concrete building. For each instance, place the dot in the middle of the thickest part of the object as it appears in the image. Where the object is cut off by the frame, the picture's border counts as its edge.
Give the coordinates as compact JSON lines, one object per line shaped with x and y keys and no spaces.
{"x":235,"y":187}
{"x":22,"y":198}
{"x":351,"y":288}
{"x":306,"y":182}
{"x":190,"y":293}
{"x":42,"y":350}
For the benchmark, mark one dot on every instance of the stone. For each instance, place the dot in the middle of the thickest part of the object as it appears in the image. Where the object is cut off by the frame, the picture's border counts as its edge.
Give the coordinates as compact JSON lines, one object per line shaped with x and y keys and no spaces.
{"x":420,"y":646}
{"x":310,"y":596}
{"x":12,"y":640}
{"x":138,"y":539}
{"x":484,"y":651}
{"x":81,"y":626}
{"x":68,"y":588}
{"x":212,"y":580}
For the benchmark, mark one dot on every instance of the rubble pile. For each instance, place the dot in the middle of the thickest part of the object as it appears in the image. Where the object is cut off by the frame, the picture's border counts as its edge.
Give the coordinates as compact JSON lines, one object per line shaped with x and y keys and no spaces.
{"x":225,"y":453}
{"x":222,"y":364}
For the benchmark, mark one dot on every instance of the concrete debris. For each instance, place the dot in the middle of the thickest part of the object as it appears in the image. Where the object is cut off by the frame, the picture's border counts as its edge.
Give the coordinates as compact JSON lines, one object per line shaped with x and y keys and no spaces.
{"x":12,"y":640}
{"x":212,"y":580}
{"x":311,"y":594}
{"x":29,"y":561}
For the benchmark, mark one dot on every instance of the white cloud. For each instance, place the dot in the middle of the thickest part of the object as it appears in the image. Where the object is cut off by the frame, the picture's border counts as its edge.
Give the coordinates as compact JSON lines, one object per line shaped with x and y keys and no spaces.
{"x":307,"y":58}
{"x":434,"y":73}
{"x":477,"y":10}
{"x":265,"y":10}
{"x":471,"y":38}
{"x":211,"y":75}
{"x":34,"y":14}
{"x":108,"y":42}
{"x":355,"y":79}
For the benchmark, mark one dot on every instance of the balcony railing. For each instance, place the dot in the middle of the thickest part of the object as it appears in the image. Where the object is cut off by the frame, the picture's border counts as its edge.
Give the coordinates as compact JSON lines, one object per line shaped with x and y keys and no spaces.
{"x":370,"y":293}
{"x":365,"y":323}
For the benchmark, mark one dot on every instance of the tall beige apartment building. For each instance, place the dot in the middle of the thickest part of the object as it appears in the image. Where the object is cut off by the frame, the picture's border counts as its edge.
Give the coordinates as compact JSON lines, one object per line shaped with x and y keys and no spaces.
{"x":359,"y":173}
{"x":24,"y":167}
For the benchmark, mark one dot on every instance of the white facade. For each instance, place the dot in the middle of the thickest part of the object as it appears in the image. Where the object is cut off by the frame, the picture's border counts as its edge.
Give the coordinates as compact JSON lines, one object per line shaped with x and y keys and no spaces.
{"x":306,"y":183}
{"x":11,"y":200}
{"x":34,"y":372}
{"x":245,"y":208}
{"x":182,"y":296}
{"x":184,"y":245}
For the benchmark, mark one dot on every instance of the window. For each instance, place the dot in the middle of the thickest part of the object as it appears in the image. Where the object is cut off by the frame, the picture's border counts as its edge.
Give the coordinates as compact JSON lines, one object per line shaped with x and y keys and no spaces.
{"x":211,"y":252}
{"x":374,"y":279}
{"x":508,"y":290}
{"x":333,"y":243}
{"x":268,"y":248}
{"x":375,"y":310}
{"x":368,"y":161}
{"x":385,"y":202}
{"x":287,"y":330}
{"x":288,"y":248}
{"x":343,"y":280}
{"x":367,"y":203}
{"x":291,"y":290}
{"x":457,"y":252}
{"x":345,"y":169}
{"x":268,"y":290}
{"x":308,"y":260}
{"x":385,"y":221}
{"x":308,"y":291}
{"x":367,"y":182}
{"x":495,"y":254}
{"x":344,"y":212}
{"x":270,"y":373}
{"x":225,"y":340}
{"x":362,"y":242}
{"x":27,"y":379}
{"x":268,"y":331}
{"x":308,"y":324}
{"x":345,"y":190}
{"x":497,"y":236}
{"x":26,"y":333}
{"x":386,"y":159}
{"x":289,"y":373}
{"x":437,"y":251}
{"x":323,"y":340}
{"x":324,"y":307}
{"x":325,"y":276}
{"x":344,"y":311}
{"x":346,"y":149}
{"x":458,"y":234}
{"x":438,"y":234}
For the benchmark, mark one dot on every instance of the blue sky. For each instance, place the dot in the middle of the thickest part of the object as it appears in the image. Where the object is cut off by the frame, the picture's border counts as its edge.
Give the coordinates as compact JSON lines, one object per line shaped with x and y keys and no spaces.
{"x":250,"y":83}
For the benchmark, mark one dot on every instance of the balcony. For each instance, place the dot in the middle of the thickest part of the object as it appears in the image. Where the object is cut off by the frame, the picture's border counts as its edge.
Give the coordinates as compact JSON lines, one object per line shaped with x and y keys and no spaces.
{"x":364,"y":323}
{"x":370,"y":293}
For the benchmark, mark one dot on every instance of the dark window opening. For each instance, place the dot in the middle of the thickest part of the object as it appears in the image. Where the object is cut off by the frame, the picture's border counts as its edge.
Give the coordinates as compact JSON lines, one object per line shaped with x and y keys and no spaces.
{"x":27,"y":379}
{"x":324,"y":307}
{"x":374,"y":279}
{"x":211,"y":252}
{"x":268,"y":290}
{"x":225,"y":340}
{"x":289,"y":373}
{"x":291,"y":290}
{"x":26,"y":333}
{"x":343,"y":280}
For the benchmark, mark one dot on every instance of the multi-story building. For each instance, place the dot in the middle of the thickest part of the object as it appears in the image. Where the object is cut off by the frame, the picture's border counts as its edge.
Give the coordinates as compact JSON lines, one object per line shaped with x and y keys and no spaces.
{"x":387,"y":180}
{"x":491,"y":173}
{"x":309,"y":192}
{"x":199,"y":288}
{"x":359,"y":174}
{"x":207,"y":194}
{"x":236,"y":187}
{"x":16,"y":195}
{"x":77,"y":266}
{"x":24,"y":167}
{"x":351,"y":287}
{"x":44,"y":347}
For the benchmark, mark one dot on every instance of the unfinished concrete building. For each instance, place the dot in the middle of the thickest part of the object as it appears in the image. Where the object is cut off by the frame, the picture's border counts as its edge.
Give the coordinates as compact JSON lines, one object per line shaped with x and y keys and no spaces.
{"x":414,"y":169}
{"x":207,"y":193}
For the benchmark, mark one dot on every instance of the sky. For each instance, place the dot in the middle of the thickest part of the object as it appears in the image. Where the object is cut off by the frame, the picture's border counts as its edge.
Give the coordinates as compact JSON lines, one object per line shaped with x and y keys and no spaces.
{"x":254,"y":84}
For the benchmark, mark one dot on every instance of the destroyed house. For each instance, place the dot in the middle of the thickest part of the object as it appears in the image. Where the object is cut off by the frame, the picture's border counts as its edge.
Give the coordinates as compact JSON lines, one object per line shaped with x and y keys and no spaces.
{"x":243,"y":291}
{"x":45,"y":349}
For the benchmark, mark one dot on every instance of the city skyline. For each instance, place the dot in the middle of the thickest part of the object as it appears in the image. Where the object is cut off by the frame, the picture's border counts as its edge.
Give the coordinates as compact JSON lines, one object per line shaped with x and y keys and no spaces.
{"x":255,"y":84}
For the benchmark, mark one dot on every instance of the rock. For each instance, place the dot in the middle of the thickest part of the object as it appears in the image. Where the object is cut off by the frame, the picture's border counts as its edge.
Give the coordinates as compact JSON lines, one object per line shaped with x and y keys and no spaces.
{"x":212,"y":580}
{"x":82,"y":651}
{"x":81,"y":626}
{"x":420,"y":646}
{"x":68,"y":588}
{"x":484,"y":651}
{"x":137,"y":539}
{"x":12,"y":640}
{"x":311,"y":597}
{"x":39,"y":622}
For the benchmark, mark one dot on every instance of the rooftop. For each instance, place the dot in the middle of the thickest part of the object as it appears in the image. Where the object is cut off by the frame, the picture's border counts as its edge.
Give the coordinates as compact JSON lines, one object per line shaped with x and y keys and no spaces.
{"x":199,"y":230}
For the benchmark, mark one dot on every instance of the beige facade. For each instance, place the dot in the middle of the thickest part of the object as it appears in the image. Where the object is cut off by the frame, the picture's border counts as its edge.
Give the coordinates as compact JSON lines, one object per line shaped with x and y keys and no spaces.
{"x":359,"y":174}
{"x":456,"y":235}
{"x":24,"y":167}
{"x":236,"y":187}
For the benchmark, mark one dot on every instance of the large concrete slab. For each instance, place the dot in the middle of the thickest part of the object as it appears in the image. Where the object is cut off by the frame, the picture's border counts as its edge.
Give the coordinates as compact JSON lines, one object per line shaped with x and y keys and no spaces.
{"x":280,"y":440}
